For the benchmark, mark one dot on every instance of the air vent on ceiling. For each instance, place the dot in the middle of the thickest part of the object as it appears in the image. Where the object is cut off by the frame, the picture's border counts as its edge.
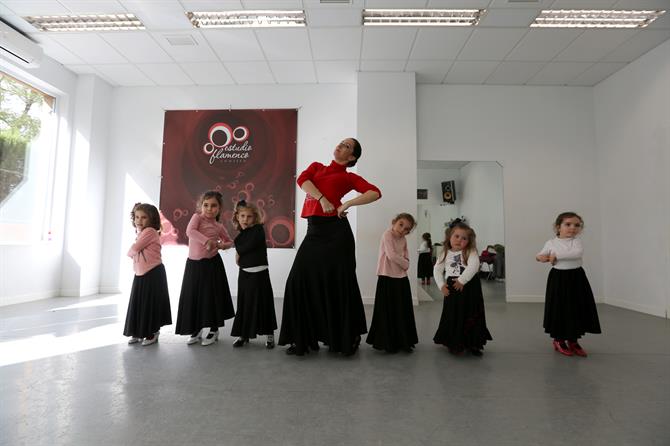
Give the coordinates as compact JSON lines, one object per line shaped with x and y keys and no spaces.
{"x":181,"y":40}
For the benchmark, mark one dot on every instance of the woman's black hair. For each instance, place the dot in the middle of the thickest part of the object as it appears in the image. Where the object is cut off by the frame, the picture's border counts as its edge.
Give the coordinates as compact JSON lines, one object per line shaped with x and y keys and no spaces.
{"x":357,"y":149}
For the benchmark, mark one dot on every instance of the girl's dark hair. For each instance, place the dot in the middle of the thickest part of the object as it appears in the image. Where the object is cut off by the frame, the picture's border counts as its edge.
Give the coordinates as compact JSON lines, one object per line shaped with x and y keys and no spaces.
{"x":152,"y":213}
{"x":562,"y":216}
{"x":426,"y":237}
{"x":206,"y":196}
{"x":357,"y":149}
{"x":405,"y":216}
{"x":244,"y":205}
{"x":472,"y":238}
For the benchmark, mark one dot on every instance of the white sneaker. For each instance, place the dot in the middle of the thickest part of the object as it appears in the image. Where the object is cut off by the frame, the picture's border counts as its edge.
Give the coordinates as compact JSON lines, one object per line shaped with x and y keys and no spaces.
{"x":195,"y":338}
{"x":151,"y":340}
{"x":211,"y":338}
{"x":134,"y":340}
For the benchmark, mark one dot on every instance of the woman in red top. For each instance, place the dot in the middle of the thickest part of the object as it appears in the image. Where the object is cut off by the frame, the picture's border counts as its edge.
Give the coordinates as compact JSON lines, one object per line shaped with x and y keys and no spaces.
{"x":322,"y":301}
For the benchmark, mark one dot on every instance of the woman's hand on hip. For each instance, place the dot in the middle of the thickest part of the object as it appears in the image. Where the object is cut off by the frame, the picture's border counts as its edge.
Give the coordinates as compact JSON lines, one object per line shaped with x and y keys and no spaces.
{"x":326,"y":205}
{"x":342,"y":210}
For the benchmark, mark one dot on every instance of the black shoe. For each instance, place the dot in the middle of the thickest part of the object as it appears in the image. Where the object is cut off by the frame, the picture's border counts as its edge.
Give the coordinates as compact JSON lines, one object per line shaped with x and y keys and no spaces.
{"x":239,"y":342}
{"x":293,"y":350}
{"x":476,"y":352}
{"x":314,"y":347}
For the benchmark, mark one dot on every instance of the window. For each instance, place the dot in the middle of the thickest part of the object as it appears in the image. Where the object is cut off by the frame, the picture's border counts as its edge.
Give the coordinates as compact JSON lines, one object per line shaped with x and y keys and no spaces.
{"x":27,"y":148}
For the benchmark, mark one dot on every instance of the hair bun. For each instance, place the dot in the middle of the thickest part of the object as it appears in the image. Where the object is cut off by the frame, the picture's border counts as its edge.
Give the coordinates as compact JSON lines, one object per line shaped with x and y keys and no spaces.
{"x":241,"y":204}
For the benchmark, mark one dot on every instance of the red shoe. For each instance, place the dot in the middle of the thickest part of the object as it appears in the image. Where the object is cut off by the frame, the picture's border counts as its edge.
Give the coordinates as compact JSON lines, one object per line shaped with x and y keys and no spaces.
{"x":560,"y":347}
{"x":577,"y":349}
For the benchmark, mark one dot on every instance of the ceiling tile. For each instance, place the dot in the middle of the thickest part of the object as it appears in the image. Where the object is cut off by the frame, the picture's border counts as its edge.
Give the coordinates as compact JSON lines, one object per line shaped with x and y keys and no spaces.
{"x":94,"y":7}
{"x":315,"y":4}
{"x":207,"y":73}
{"x":333,"y":17}
{"x":598,"y":72}
{"x":458,"y":4}
{"x":583,"y":4}
{"x":663,"y":22}
{"x":439,"y":43}
{"x":491,"y":43}
{"x":272,"y":4}
{"x":89,"y":47}
{"x":642,"y":4}
{"x":201,"y":52}
{"x":429,"y":71}
{"x":387,"y":43}
{"x":211,"y":5}
{"x":336,"y":43}
{"x":392,"y":4}
{"x":540,"y":4}
{"x":382,"y":65}
{"x":467,"y":72}
{"x":125,"y":75}
{"x":594,"y":44}
{"x":27,"y":7}
{"x":234,"y":44}
{"x":159,"y":15}
{"x":82,"y":69}
{"x":542,"y":44}
{"x":55,"y":50}
{"x":508,"y":17}
{"x":285,"y":44}
{"x":165,"y":74}
{"x":637,"y":45}
{"x":250,"y":72}
{"x":137,"y":47}
{"x":514,"y":73}
{"x":293,"y":72}
{"x":559,"y":73}
{"x":336,"y":72}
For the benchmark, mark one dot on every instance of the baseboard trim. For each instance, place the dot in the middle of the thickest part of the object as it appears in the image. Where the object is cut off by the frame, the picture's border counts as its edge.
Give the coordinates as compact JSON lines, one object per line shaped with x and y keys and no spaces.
{"x":24,"y":298}
{"x":654,"y":311}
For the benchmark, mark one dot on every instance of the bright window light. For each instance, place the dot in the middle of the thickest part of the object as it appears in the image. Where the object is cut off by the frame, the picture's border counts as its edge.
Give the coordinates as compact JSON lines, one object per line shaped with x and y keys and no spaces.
{"x":573,"y":18}
{"x":247,"y":19}
{"x":89,"y":22}
{"x":421,"y":17}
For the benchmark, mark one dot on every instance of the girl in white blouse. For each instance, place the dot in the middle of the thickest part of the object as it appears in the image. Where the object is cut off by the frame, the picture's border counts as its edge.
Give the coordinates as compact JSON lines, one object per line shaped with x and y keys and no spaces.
{"x":569,"y":309}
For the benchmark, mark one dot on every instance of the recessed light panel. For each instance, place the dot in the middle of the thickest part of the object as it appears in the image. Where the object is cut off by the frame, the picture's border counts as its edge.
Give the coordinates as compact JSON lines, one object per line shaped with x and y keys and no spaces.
{"x":247,"y":19}
{"x":421,"y":17}
{"x":573,"y":18}
{"x":88,"y":22}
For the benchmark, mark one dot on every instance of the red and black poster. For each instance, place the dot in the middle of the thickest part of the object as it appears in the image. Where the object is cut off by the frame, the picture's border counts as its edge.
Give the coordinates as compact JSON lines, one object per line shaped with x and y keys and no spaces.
{"x":244,"y":154}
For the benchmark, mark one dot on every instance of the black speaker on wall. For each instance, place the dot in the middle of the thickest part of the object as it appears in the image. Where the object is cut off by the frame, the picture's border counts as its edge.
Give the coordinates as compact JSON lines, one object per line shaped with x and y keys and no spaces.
{"x":449,"y":192}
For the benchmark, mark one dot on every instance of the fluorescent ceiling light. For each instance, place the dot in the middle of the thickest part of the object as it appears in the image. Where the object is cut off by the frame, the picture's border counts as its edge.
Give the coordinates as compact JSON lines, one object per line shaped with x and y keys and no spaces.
{"x":421,"y":17}
{"x":247,"y":19}
{"x":88,"y":22}
{"x":574,"y":18}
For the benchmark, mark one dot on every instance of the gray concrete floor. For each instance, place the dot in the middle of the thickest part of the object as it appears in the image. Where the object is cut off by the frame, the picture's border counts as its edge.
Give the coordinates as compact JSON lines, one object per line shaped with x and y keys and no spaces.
{"x":67,"y":377}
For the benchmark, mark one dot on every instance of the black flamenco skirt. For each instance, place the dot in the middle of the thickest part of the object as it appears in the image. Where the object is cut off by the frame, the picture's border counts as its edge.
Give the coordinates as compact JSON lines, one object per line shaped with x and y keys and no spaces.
{"x":205,"y":299}
{"x":255,"y":305}
{"x":425,"y":266}
{"x":322,"y":300}
{"x":393,"y":327}
{"x":569,"y":308}
{"x":149,"y":304}
{"x":463,"y":320}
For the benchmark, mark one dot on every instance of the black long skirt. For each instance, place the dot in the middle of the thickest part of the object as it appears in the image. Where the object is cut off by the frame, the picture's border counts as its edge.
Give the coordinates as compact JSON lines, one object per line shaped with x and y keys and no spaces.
{"x":393,"y":327}
{"x":255,"y":305}
{"x":425,"y":266}
{"x":149,"y":304}
{"x":322,"y":300}
{"x":569,"y":309}
{"x":463,"y":320}
{"x":205,"y":299}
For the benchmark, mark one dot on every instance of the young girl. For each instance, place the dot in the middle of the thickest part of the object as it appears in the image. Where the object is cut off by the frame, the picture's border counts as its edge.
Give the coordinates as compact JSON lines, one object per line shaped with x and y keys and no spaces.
{"x":463,"y":321}
{"x":205,"y":299}
{"x":149,"y":305}
{"x":569,"y":309}
{"x":255,"y":299}
{"x":393,"y":326}
{"x":425,"y":267}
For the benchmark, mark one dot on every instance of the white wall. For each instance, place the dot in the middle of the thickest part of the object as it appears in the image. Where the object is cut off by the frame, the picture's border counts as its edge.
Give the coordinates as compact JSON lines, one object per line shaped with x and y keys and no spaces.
{"x":327,"y":114}
{"x":632,"y":109}
{"x":480,"y":195}
{"x":33,"y":271}
{"x":543,"y":137}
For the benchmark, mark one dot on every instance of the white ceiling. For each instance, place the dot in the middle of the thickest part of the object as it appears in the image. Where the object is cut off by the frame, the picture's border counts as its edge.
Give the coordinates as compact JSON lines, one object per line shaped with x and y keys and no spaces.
{"x":501,"y":50}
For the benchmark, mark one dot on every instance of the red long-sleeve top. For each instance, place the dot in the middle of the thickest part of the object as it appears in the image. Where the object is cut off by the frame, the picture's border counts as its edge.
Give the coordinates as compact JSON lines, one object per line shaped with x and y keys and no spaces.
{"x":334,"y":182}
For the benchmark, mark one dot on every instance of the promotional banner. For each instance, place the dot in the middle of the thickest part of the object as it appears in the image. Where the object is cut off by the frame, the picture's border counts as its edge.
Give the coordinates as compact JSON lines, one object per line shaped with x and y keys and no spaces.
{"x":244,"y":154}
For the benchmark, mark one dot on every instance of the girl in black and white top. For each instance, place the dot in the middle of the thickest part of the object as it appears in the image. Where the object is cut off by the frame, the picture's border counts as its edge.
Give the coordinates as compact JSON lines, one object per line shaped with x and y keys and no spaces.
{"x":569,"y":309}
{"x":255,"y":299}
{"x":463,"y":321}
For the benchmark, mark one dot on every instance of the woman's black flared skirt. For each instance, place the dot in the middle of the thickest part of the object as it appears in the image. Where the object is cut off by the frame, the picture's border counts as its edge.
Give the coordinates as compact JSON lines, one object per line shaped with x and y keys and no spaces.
{"x":463,"y":320}
{"x":569,"y":309}
{"x":149,"y":304}
{"x":205,"y":299}
{"x":255,"y":313}
{"x":322,"y":300}
{"x":425,"y":266}
{"x":393,"y":327}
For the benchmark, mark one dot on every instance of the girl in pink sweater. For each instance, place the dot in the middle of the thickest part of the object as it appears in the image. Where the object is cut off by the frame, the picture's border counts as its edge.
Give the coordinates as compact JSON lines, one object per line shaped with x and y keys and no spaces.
{"x":149,"y":304}
{"x":393,"y":327}
{"x":205,"y":300}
